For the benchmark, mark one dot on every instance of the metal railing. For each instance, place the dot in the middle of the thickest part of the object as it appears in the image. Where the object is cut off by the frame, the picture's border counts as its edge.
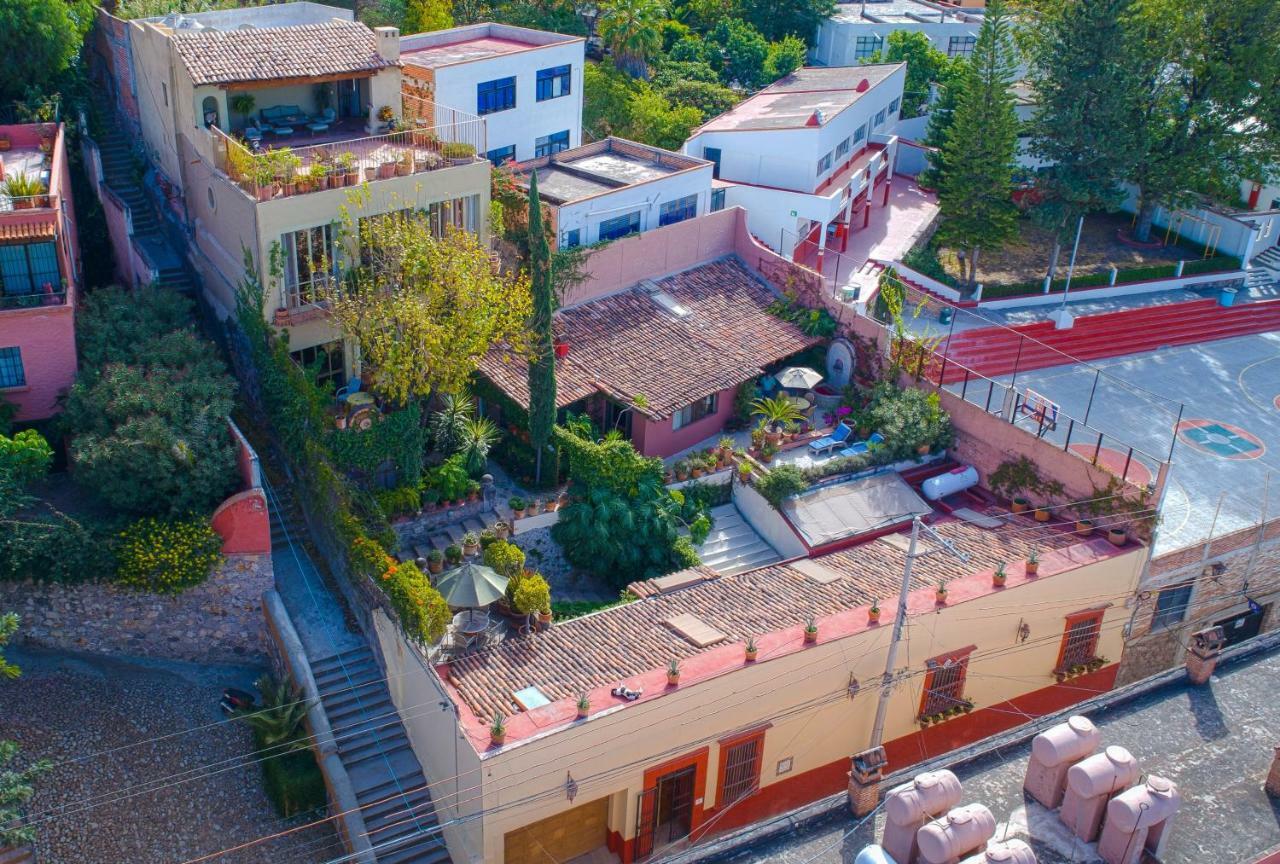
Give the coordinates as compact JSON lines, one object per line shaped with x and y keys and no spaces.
{"x":286,"y":171}
{"x":33,"y":300}
{"x":9,"y":203}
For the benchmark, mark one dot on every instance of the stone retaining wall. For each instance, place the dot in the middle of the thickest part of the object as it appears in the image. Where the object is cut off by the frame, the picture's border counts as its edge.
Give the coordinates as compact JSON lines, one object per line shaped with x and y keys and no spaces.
{"x":220,"y":621}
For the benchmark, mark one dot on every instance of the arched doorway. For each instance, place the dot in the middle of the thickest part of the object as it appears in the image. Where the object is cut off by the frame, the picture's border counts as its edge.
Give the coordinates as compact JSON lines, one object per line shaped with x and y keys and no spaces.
{"x":209,"y":111}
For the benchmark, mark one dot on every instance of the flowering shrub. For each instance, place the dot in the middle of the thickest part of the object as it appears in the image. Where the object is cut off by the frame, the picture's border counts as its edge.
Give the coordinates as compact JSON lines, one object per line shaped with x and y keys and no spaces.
{"x":167,"y":557}
{"x":369,"y":560}
{"x":423,"y":613}
{"x":533,"y":594}
{"x":505,"y":557}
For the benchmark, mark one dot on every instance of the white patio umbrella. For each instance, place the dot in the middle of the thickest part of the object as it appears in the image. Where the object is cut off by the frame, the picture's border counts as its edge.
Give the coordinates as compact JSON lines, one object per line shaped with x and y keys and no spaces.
{"x":798,"y":378}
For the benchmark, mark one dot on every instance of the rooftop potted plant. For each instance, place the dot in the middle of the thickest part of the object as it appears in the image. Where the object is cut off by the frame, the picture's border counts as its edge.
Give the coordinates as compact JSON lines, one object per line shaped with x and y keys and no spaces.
{"x":673,"y":672}
{"x":453,"y":554}
{"x":696,"y":466}
{"x":386,"y":114}
{"x":758,"y":435}
{"x":726,"y":448}
{"x":26,"y":191}
{"x":404,"y":165}
{"x":682,"y":469}
{"x":775,"y":412}
{"x":999,"y":577}
{"x":1117,"y":535}
{"x":458,"y":153}
{"x":584,"y":706}
{"x":940,"y":594}
{"x":517,"y":505}
{"x":752,"y":651}
{"x":873,"y":614}
{"x":1084,"y":527}
{"x":768,"y":452}
{"x":744,"y":472}
{"x":287,"y":164}
{"x":470,"y":544}
{"x":501,"y":530}
{"x":487,"y":538}
{"x":1033,"y":563}
{"x":498,"y":729}
{"x":810,"y":631}
{"x":345,"y":166}
{"x":435,"y":560}
{"x":1043,"y":512}
{"x":264,"y":178}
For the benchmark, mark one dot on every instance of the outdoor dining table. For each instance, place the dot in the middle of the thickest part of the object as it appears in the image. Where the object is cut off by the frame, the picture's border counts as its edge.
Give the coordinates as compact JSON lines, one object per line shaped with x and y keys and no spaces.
{"x":471,"y":623}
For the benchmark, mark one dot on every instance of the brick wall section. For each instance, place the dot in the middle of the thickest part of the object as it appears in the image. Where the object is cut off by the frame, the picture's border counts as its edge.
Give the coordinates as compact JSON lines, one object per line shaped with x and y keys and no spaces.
{"x":217,"y":622}
{"x":111,"y":43}
{"x":1213,"y":597}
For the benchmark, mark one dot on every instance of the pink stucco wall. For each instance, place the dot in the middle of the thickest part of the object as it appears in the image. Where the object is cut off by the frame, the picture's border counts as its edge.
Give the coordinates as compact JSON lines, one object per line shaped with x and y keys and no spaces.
{"x":657,"y":438}
{"x":45,"y":335}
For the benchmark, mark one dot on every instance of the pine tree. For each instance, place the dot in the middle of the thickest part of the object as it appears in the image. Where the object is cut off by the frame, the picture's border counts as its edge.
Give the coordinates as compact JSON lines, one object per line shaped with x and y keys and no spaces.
{"x":1086,"y":91}
{"x":542,"y":362}
{"x":976,"y":183}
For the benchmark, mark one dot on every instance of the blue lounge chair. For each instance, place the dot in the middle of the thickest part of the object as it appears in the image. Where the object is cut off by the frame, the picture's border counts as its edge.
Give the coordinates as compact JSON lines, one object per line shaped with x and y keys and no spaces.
{"x":838,"y":436}
{"x":343,"y":393}
{"x":857,"y":448}
{"x":876,"y":438}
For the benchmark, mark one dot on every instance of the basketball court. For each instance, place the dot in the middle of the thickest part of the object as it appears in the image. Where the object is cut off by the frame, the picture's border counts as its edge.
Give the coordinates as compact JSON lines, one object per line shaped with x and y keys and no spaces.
{"x":1225,"y":444}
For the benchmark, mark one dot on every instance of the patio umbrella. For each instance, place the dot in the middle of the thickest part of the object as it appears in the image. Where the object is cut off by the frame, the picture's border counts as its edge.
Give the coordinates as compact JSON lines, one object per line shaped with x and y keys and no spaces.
{"x":798,"y":378}
{"x":471,"y":586}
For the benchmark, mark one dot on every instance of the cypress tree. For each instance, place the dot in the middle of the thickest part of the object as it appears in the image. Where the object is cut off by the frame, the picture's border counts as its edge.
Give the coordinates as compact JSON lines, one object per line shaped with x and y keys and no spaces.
{"x":542,"y":362}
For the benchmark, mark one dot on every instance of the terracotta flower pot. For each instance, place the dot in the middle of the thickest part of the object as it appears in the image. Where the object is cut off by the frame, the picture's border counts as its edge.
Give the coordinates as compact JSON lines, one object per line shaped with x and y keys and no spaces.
{"x":498,"y":739}
{"x":544,"y":619}
{"x":940,"y":597}
{"x":1043,"y":514}
{"x":810,"y":636}
{"x":752,"y":654}
{"x":436,"y":566}
{"x":923,"y":450}
{"x":1084,"y":527}
{"x":873,"y":616}
{"x":501,"y":530}
{"x":1033,"y":567}
{"x":583,"y":712}
{"x":1117,"y":536}
{"x":673,"y":680}
{"x":519,"y":514}
{"x":469,"y":550}
{"x":998,"y":581}
{"x":1020,"y":505}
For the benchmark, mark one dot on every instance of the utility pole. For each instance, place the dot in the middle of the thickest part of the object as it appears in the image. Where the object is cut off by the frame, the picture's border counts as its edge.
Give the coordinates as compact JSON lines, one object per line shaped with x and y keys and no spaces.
{"x":868,"y":766}
{"x":1062,"y":319}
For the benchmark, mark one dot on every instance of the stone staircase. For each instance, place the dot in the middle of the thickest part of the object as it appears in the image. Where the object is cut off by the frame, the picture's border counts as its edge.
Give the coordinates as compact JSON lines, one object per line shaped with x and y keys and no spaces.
{"x":1264,"y":270}
{"x":389,"y":785}
{"x":733,"y":546}
{"x":445,"y":536}
{"x":120,"y":171}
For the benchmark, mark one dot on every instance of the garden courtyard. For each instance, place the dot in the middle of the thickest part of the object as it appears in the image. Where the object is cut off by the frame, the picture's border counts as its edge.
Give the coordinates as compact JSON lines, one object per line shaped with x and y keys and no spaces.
{"x":144,"y":768}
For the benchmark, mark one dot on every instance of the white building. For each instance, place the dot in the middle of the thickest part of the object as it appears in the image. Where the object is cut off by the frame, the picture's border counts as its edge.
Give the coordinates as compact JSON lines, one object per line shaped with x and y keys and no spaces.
{"x":858,"y":32}
{"x":526,"y":84}
{"x":612,"y":188}
{"x":806,"y":155}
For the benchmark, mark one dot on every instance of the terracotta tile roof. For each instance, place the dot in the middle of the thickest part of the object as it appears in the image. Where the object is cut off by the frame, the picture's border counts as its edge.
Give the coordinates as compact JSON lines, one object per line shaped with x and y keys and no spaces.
{"x":628,"y":345}
{"x":275,"y":53}
{"x":603,"y":649}
{"x":26,"y":231}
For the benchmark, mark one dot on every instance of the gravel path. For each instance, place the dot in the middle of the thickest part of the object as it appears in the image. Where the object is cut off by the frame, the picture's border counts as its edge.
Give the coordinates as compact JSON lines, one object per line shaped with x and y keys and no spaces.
{"x":68,"y":707}
{"x":545,"y":555}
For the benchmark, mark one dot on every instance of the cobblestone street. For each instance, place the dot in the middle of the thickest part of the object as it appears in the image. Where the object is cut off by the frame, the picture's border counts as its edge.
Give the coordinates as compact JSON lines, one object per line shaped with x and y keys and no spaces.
{"x":168,"y":800}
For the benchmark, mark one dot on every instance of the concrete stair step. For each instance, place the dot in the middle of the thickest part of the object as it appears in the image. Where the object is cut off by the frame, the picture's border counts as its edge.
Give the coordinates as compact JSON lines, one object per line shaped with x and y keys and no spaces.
{"x":395,"y":807}
{"x":380,"y":756}
{"x":473,"y":524}
{"x":372,"y":739}
{"x":352,"y":713}
{"x":735,"y":553}
{"x":751,"y":562}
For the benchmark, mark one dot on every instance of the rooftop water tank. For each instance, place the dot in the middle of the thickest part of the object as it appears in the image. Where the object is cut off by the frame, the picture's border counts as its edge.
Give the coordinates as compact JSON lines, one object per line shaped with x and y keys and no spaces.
{"x":955,"y":480}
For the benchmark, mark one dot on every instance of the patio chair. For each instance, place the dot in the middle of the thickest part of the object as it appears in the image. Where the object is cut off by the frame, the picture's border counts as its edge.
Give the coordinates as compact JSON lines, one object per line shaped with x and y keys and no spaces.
{"x":253,"y":135}
{"x":322,"y":121}
{"x":838,"y":436}
{"x":342,"y":394}
{"x":857,"y":448}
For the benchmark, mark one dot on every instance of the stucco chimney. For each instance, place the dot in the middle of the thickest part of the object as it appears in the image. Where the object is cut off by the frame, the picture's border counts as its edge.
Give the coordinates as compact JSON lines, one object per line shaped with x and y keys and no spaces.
{"x":1273,"y":778}
{"x":1202,"y":654}
{"x":388,"y":42}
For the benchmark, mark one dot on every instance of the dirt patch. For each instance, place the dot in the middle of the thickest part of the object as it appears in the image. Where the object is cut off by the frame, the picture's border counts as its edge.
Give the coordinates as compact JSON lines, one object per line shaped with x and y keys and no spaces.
{"x":1027,"y":258}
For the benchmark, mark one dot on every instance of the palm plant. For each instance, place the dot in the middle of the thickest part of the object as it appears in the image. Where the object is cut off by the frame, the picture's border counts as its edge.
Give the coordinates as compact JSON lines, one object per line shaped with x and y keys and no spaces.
{"x":448,"y":426}
{"x":279,"y":720}
{"x":631,"y":30}
{"x":479,"y":434}
{"x":776,"y":411}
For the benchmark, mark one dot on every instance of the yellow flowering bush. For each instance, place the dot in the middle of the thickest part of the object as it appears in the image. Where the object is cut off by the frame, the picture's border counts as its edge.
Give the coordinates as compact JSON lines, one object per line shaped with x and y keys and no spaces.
{"x":166,"y":557}
{"x":423,"y":612}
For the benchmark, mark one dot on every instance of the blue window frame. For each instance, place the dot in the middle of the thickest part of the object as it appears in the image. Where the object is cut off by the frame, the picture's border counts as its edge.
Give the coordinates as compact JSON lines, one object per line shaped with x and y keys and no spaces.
{"x":860,"y":133}
{"x":824,"y":164}
{"x":548,"y":144}
{"x":26,"y":268}
{"x":893,"y":106}
{"x":502,"y":154}
{"x":880,"y":115}
{"x":712,"y":155}
{"x":678,"y":210}
{"x":842,"y":148}
{"x":496,"y":95}
{"x":572,"y":238}
{"x":717,"y":200}
{"x":11,"y":371}
{"x":620,"y":226}
{"x":553,"y":83}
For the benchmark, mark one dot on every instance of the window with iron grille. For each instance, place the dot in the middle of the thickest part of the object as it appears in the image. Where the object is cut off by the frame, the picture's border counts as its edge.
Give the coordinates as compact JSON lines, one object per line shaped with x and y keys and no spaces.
{"x":28,"y":267}
{"x":741,"y":772}
{"x":494,"y":96}
{"x":553,"y":83}
{"x":859,"y":133}
{"x":866,"y":46}
{"x":842,"y":148}
{"x":944,"y":684}
{"x":961,"y":46}
{"x":11,"y":372}
{"x":1079,"y":640}
{"x":880,"y":116}
{"x":324,"y":360}
{"x":824,"y":164}
{"x":893,"y":106}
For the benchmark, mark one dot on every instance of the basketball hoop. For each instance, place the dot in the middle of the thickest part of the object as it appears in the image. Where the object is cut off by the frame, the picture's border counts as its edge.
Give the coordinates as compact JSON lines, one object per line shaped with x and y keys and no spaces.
{"x":1040,"y":409}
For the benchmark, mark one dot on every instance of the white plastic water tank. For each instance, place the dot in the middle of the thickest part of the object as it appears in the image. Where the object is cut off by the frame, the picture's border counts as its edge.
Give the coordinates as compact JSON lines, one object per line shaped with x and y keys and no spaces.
{"x":1010,"y":852}
{"x":955,"y":480}
{"x":875,"y":855}
{"x":960,"y":832}
{"x":928,"y":795}
{"x":1070,"y":741}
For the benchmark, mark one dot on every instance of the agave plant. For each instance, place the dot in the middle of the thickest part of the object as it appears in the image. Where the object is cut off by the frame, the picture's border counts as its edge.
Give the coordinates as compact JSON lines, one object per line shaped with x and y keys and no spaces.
{"x":776,"y":411}
{"x":278,"y":721}
{"x":448,"y":425}
{"x":479,"y":434}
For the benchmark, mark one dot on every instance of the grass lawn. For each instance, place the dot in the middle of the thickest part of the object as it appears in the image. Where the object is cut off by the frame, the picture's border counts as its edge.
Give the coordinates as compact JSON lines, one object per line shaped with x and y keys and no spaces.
{"x":1026,"y":258}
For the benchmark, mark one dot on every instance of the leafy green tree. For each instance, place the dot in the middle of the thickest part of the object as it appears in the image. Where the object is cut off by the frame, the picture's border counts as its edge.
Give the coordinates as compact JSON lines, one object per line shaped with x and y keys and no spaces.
{"x":16,"y":789}
{"x":711,"y":100}
{"x":606,"y":108}
{"x":632,"y":31}
{"x":8,"y":626}
{"x":656,"y":121}
{"x":1210,"y":110}
{"x":925,"y":65}
{"x":621,"y":522}
{"x":976,"y":183}
{"x":744,"y":51}
{"x":39,"y":40}
{"x":557,"y":16}
{"x":777,"y":19}
{"x":785,"y":56}
{"x":692,"y":49}
{"x":421,"y":16}
{"x":1086,"y":94}
{"x":542,"y":358}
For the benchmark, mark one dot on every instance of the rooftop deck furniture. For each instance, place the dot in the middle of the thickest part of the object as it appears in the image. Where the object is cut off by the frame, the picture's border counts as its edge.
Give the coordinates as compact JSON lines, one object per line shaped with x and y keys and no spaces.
{"x":838,"y":436}
{"x":253,"y":135}
{"x":857,"y":448}
{"x":322,"y":121}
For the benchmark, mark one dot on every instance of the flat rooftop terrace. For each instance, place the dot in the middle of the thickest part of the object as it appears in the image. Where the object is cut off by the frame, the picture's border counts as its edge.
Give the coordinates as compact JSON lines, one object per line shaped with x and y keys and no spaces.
{"x":593,"y":169}
{"x":464,"y":51}
{"x":898,"y":11}
{"x":789,"y":102}
{"x":474,"y":42}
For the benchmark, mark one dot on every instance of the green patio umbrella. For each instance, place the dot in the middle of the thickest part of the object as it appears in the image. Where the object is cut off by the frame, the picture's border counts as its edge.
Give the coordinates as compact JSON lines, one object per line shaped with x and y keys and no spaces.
{"x":471,"y":586}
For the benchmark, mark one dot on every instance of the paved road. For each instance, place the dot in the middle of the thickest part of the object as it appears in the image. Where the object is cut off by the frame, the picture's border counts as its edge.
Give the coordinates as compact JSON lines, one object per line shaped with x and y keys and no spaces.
{"x":71,"y":708}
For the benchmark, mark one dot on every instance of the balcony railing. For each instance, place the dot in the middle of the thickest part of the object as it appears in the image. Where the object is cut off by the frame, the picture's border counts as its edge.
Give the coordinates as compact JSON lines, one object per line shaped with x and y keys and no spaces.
{"x":289,"y":171}
{"x":34,"y":300}
{"x":9,"y":203}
